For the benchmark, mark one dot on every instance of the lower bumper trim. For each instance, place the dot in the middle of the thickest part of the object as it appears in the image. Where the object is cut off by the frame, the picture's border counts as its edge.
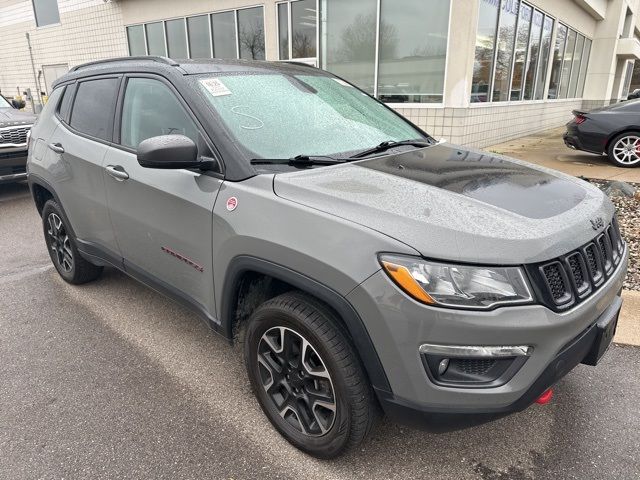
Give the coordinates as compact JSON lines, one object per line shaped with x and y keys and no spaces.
{"x":446,"y":418}
{"x":14,"y":177}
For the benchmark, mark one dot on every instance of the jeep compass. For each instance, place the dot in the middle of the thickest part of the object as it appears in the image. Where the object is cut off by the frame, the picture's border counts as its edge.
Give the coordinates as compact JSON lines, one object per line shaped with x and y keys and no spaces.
{"x":362,"y":265}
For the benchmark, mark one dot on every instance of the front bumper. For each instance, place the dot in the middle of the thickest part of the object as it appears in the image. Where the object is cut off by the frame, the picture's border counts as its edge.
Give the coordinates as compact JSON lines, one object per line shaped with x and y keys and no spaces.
{"x":13,"y":164}
{"x":398,"y":326}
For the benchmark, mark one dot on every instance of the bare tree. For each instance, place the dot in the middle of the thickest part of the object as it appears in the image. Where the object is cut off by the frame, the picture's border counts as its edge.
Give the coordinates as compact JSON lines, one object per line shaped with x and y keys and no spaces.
{"x":359,"y":40}
{"x":252,"y":39}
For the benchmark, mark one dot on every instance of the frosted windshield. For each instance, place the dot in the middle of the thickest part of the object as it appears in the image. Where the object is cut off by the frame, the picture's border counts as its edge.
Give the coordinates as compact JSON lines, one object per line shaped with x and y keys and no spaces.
{"x":281,"y":116}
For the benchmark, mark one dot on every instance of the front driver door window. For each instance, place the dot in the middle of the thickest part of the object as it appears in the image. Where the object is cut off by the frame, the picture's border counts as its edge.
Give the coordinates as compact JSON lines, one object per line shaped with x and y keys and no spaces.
{"x":162,"y":218}
{"x":150,"y":109}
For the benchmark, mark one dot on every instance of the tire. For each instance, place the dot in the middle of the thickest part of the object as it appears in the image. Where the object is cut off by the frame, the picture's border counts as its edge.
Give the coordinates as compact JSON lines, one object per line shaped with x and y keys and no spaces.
{"x":334,"y":404}
{"x":624,"y":150}
{"x":62,"y":247}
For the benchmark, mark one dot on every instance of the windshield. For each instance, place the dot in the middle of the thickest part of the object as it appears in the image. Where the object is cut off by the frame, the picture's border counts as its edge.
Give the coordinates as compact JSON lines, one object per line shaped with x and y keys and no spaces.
{"x":4,"y":103}
{"x":282,"y":115}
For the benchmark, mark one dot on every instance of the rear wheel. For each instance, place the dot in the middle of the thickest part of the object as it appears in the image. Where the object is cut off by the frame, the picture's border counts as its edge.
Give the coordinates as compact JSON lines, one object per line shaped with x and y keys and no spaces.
{"x":63,"y":251}
{"x":307,"y":376}
{"x":624,"y":150}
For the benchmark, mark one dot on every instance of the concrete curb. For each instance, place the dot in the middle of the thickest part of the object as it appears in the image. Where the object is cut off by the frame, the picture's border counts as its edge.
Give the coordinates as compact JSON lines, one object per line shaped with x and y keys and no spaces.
{"x":628,"y":331}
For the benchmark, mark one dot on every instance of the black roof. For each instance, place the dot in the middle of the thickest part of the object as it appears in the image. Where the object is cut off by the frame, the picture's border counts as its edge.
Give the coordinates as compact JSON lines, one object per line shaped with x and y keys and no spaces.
{"x":179,"y":67}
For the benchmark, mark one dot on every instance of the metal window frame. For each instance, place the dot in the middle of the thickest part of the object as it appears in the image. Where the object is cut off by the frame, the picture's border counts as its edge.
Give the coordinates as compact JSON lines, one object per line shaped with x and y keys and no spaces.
{"x":575,"y":50}
{"x":146,"y":38}
{"x":526,"y":54}
{"x":376,"y":60}
{"x":546,"y":65}
{"x":208,"y":15}
{"x":564,"y":59}
{"x":564,"y":47}
{"x":535,"y":67}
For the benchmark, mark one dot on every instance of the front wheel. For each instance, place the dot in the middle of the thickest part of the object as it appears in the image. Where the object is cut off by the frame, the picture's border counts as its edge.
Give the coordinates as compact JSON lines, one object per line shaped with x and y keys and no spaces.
{"x":624,"y":150}
{"x":307,"y":376}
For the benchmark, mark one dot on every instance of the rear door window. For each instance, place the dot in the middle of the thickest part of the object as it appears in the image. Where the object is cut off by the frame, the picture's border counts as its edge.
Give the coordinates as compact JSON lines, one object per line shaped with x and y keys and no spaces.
{"x":93,"y":108}
{"x":151,"y":109}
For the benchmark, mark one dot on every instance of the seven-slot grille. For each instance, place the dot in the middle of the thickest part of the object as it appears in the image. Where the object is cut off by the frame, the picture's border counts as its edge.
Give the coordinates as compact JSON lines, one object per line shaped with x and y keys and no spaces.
{"x":568,"y":280}
{"x":14,"y":135}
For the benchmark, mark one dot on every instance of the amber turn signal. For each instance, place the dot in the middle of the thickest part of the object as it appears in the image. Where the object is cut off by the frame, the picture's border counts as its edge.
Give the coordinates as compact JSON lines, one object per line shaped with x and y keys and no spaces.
{"x":403,"y":278}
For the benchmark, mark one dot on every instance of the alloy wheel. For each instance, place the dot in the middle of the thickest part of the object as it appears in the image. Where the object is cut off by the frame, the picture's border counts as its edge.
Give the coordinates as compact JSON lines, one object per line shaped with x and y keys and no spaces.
{"x":296,"y":380}
{"x":59,"y":242}
{"x":627,"y":150}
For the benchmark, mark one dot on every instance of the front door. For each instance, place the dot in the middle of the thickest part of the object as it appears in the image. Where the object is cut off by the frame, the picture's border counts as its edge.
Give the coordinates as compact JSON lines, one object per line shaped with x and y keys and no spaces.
{"x":162,"y":218}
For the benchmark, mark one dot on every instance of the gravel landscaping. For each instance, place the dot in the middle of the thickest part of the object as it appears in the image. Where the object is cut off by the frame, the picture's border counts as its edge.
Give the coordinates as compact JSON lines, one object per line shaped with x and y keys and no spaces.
{"x":628,"y":209}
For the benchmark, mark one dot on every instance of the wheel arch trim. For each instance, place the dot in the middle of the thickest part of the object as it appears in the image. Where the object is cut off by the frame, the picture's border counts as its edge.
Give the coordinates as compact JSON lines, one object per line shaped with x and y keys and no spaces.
{"x":33,"y":180}
{"x":243,"y":264}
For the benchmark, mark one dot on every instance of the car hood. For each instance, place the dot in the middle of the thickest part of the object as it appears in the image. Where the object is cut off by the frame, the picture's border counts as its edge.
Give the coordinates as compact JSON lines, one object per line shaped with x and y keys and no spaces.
{"x":455,"y":204}
{"x":10,"y":117}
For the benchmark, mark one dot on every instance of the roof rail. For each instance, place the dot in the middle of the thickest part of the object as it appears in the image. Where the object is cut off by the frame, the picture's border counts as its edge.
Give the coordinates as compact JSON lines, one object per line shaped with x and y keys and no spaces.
{"x":165,"y":60}
{"x":300,"y":64}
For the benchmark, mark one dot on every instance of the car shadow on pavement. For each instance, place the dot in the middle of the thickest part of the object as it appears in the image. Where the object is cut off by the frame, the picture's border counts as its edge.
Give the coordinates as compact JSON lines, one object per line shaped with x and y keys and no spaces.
{"x":539,"y":439}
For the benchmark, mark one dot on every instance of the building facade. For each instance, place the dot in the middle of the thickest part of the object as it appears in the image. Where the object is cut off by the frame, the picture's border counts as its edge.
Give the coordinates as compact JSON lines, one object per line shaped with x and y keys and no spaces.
{"x":476,"y":72}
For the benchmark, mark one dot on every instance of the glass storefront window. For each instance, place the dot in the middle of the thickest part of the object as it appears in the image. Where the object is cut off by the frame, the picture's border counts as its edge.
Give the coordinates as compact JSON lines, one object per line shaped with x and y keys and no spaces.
{"x":543,"y":64}
{"x":583,"y":67}
{"x":349,"y":40}
{"x":176,"y":38}
{"x":155,"y":39}
{"x":485,"y":48}
{"x":575,"y":69}
{"x":251,"y":33}
{"x":558,"y":55}
{"x":223,"y":26}
{"x":199,"y":36}
{"x":533,"y":55}
{"x":412,"y":61}
{"x":283,"y":31}
{"x":566,"y":64}
{"x":504,"y":57}
{"x":303,"y":29}
{"x":522,"y":42}
{"x":135,"y":38}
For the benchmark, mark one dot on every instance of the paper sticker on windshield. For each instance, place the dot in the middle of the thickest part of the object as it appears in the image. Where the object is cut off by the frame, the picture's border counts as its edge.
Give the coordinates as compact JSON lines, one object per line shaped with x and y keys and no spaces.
{"x":215,"y":87}
{"x":341,"y":82}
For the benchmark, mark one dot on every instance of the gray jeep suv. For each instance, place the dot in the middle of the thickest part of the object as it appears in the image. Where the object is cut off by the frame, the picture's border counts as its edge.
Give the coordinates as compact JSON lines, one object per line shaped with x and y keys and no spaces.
{"x":360,"y":263}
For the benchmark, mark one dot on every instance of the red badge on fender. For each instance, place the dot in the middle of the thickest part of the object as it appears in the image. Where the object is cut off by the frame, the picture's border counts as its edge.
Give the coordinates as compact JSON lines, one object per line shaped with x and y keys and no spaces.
{"x":232,"y":203}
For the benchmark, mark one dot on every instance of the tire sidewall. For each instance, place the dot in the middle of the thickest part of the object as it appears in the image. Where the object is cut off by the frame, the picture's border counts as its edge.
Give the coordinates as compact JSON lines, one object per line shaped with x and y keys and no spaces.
{"x":49,"y":208}
{"x":336,"y":439}
{"x":611,"y":155}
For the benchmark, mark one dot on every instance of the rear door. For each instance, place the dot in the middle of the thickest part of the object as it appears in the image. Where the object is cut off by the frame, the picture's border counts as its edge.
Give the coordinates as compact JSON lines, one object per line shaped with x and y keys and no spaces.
{"x":162,"y":218}
{"x":75,"y":161}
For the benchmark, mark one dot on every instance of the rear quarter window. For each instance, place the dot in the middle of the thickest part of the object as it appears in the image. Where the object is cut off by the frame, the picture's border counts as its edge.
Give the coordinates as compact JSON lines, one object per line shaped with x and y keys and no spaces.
{"x":93,"y":108}
{"x":64,"y":106}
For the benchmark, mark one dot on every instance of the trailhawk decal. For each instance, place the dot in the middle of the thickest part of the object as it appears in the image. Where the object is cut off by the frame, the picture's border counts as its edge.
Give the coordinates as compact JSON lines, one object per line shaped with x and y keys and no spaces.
{"x":186,"y":260}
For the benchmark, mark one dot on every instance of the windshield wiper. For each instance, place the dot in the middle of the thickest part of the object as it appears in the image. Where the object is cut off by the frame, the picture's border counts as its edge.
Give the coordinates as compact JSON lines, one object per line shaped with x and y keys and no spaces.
{"x":391,"y":144}
{"x":298,"y":160}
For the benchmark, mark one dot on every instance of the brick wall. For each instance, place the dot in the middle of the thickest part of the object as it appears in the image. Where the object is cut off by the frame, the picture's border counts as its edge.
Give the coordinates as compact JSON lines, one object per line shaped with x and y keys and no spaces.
{"x":88,"y":30}
{"x":480,"y":126}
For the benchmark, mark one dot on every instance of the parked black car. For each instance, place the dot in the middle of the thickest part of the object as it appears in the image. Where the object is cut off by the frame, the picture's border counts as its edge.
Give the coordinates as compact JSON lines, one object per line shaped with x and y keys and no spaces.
{"x":612,"y":130}
{"x":634,"y":94}
{"x":14,"y":128}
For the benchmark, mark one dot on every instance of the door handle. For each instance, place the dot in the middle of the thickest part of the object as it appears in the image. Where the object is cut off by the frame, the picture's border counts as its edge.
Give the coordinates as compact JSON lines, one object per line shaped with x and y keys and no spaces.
{"x":56,"y":147}
{"x":117,"y":172}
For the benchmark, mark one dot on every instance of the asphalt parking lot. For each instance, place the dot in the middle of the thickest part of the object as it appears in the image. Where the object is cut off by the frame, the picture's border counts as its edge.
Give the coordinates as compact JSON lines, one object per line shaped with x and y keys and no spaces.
{"x":111,"y":380}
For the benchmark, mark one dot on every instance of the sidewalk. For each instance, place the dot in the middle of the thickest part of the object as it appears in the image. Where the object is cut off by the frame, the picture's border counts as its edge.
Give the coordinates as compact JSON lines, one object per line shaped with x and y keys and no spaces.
{"x":547,"y":149}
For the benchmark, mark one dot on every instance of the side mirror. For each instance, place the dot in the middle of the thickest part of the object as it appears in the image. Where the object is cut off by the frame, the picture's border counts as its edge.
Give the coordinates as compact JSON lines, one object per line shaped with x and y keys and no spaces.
{"x":168,"y":151}
{"x":18,"y":104}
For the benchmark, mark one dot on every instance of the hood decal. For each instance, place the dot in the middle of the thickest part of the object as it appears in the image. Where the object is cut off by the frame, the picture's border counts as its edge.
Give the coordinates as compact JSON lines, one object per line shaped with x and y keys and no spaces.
{"x":495,"y":181}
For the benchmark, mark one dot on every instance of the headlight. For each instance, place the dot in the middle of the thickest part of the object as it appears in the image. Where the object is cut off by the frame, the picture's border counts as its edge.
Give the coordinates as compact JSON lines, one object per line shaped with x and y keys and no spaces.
{"x":459,"y":286}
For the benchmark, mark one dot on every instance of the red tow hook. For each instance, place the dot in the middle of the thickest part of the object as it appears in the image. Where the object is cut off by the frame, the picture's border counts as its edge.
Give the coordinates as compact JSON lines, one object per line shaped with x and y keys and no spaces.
{"x":545,"y":397}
